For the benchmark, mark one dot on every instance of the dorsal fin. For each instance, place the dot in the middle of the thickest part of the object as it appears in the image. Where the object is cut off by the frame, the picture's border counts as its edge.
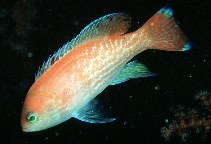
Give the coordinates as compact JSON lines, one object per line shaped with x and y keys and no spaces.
{"x":55,"y":57}
{"x":116,"y":23}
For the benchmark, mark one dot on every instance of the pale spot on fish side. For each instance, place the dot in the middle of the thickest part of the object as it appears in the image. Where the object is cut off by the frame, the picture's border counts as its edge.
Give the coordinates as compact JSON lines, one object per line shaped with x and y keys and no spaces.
{"x":111,"y":56}
{"x":86,"y":70}
{"x":72,"y":76}
{"x":116,"y":43}
{"x":112,"y":52}
{"x":86,"y":52}
{"x":132,"y":37}
{"x":121,"y":43}
{"x":79,"y":65}
{"x":111,"y":44}
{"x":107,"y":53}
{"x":93,"y":49}
{"x":101,"y":47}
{"x":73,"y":68}
{"x":106,"y":45}
{"x":84,"y":62}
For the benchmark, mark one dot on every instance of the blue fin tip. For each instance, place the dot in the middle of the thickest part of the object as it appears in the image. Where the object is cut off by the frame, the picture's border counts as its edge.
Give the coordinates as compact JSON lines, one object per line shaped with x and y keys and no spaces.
{"x":166,"y":11}
{"x":187,"y":46}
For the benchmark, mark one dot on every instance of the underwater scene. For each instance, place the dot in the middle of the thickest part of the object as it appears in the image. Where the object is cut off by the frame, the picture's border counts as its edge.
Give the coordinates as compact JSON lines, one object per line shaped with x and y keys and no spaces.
{"x":105,"y":72}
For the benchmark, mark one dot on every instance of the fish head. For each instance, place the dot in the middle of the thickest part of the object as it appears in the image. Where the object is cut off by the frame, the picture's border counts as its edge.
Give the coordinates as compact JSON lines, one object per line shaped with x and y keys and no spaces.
{"x":40,"y":111}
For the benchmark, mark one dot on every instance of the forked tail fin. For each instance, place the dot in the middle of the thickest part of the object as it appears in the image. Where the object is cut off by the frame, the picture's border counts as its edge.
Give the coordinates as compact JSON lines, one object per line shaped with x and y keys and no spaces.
{"x":161,"y":32}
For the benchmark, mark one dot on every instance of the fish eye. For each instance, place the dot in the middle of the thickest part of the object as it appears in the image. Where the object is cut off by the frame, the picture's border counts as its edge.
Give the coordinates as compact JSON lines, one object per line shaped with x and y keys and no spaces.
{"x":31,"y":117}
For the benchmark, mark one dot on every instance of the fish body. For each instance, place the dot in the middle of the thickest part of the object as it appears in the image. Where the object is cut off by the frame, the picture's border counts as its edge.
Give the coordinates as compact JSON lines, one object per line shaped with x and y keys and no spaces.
{"x":68,"y":82}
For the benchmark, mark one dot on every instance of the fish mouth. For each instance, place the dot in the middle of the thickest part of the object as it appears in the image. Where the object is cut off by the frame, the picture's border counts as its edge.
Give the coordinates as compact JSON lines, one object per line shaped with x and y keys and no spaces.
{"x":30,"y":128}
{"x":27,"y":130}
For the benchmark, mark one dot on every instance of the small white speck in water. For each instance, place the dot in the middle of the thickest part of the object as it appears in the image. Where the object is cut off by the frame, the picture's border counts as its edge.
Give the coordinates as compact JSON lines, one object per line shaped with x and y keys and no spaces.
{"x":166,"y":120}
{"x":157,"y":87}
{"x":125,"y":123}
{"x":56,"y":134}
{"x":29,"y":54}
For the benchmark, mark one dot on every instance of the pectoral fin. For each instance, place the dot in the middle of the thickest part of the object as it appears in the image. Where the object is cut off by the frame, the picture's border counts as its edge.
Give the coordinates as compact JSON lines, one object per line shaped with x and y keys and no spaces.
{"x":131,"y":70}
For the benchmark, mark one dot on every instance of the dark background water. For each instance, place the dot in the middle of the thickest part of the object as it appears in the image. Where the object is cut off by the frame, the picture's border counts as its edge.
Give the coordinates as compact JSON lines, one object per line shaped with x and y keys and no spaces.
{"x":31,"y":30}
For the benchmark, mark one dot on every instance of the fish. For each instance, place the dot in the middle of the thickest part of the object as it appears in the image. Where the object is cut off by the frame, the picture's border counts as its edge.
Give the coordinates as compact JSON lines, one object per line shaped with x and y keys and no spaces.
{"x":67,"y":84}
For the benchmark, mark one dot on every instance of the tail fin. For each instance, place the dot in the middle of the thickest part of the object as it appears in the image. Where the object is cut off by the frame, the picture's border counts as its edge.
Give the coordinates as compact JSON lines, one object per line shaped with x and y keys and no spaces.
{"x":161,"y":32}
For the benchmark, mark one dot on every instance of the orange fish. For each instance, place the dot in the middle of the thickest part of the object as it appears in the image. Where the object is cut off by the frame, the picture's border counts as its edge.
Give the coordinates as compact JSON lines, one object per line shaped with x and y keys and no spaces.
{"x":68,"y":82}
